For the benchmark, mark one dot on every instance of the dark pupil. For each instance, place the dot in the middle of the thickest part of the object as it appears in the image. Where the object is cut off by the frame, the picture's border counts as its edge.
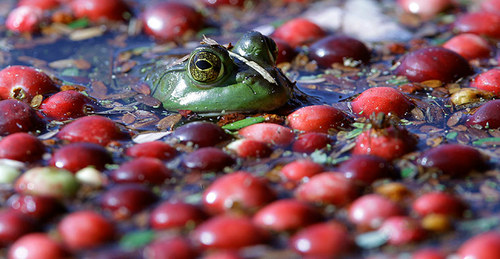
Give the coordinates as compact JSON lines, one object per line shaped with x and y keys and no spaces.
{"x":203,"y":64}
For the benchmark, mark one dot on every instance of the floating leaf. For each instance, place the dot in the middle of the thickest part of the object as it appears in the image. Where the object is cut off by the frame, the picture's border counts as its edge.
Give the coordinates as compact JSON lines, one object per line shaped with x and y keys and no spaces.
{"x":243,"y":123}
{"x":486,"y":140}
{"x":452,"y":135}
{"x":137,"y":239}
{"x":80,"y":23}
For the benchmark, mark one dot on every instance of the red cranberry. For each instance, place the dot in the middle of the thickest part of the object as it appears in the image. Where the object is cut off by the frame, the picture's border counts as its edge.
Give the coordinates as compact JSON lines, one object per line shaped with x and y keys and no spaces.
{"x":202,"y":134}
{"x":16,"y":116}
{"x":401,"y":230}
{"x":485,"y":245}
{"x":223,"y":254}
{"x":286,"y":215}
{"x":42,"y":4}
{"x":424,"y":8}
{"x":381,"y":99}
{"x":168,"y":21}
{"x":228,"y":232}
{"x":389,"y":143}
{"x":438,"y":203}
{"x":176,"y":247}
{"x":67,"y":105}
{"x":468,"y":45}
{"x":21,"y":147}
{"x":338,"y":49}
{"x":23,"y":83}
{"x":285,"y":52}
{"x":175,"y":214}
{"x":142,"y":170}
{"x":24,"y":19}
{"x":453,"y":159}
{"x":487,"y":116}
{"x":481,"y":23}
{"x":269,"y":133}
{"x":369,"y":211}
{"x":85,"y":229}
{"x":39,"y":207}
{"x":219,"y":3}
{"x":154,"y":149}
{"x":428,"y":253}
{"x":13,"y":225}
{"x":330,"y":239}
{"x":490,"y":6}
{"x":433,"y":63}
{"x":36,"y":246}
{"x":488,"y":81}
{"x":298,"y":32}
{"x":366,"y":168}
{"x":318,"y":118}
{"x":94,"y":129}
{"x":247,"y":148}
{"x":124,"y":200}
{"x":301,"y":168}
{"x":96,"y":10}
{"x":328,"y":187}
{"x":310,"y":142}
{"x":238,"y":190}
{"x":207,"y":159}
{"x":76,"y":156}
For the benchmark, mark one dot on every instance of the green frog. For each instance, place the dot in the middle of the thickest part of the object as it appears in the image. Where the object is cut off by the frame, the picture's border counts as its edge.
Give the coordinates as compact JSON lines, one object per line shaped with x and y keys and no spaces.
{"x":218,"y":79}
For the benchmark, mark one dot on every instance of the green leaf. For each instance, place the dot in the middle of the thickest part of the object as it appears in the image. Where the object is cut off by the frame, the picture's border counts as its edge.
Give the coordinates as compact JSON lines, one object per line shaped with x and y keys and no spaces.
{"x":80,"y":23}
{"x":486,"y":140}
{"x":354,"y":133}
{"x":72,"y":71}
{"x":243,"y":123}
{"x":407,"y":172}
{"x":137,"y":239}
{"x":452,"y":135}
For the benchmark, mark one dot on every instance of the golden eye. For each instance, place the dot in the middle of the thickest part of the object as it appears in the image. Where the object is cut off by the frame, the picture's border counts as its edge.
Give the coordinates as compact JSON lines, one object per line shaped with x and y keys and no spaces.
{"x":205,"y":67}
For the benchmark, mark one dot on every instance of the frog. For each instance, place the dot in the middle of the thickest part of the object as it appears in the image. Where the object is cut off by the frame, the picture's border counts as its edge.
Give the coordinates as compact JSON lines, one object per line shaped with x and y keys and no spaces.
{"x":217,"y":79}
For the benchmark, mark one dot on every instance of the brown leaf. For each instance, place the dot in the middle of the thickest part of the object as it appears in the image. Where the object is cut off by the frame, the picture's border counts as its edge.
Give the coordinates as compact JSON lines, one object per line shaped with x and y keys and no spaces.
{"x":168,"y":122}
{"x":147,"y":100}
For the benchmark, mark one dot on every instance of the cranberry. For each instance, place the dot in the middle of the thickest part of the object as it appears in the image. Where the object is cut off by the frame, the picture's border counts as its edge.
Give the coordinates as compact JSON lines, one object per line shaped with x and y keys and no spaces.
{"x":47,"y":181}
{"x":247,"y":148}
{"x":36,"y":246}
{"x":424,"y":8}
{"x":21,"y":147}
{"x":96,"y":10}
{"x":310,"y":142}
{"x":328,"y":187}
{"x":16,"y":116}
{"x":286,"y":215}
{"x":13,"y":225}
{"x":124,"y":200}
{"x":438,"y":203}
{"x":318,"y":118}
{"x":285,"y":52}
{"x":207,"y":159}
{"x":228,"y":232}
{"x":330,"y":239}
{"x":485,"y":245}
{"x":219,"y":3}
{"x":175,"y":214}
{"x":168,"y":21}
{"x":453,"y":159}
{"x":488,"y":81}
{"x":42,"y":4}
{"x":223,"y":254}
{"x":95,"y":129}
{"x":142,"y":170}
{"x":269,"y":133}
{"x":299,"y":31}
{"x":389,"y":143}
{"x":76,"y":156}
{"x":23,"y":83}
{"x":202,"y":134}
{"x":481,"y":23}
{"x":428,"y":253}
{"x":338,"y":49}
{"x":366,"y":168}
{"x":402,"y":230}
{"x":170,"y":247}
{"x":487,"y":116}
{"x":381,"y":99}
{"x":433,"y":63}
{"x":490,"y":6}
{"x":154,"y":149}
{"x":39,"y":207}
{"x":468,"y":45}
{"x":24,"y":19}
{"x":369,"y":211}
{"x":238,"y":190}
{"x":67,"y":105}
{"x":85,"y":229}
{"x":301,"y":168}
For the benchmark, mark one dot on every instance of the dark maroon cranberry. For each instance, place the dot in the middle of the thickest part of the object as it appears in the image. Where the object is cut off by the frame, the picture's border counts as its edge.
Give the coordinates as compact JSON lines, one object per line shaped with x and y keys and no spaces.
{"x":337,"y":49}
{"x":487,"y":116}
{"x":330,"y":239}
{"x":176,"y":247}
{"x":219,"y":3}
{"x":96,"y":10}
{"x":76,"y":156}
{"x":21,"y":147}
{"x":285,"y":52}
{"x":207,"y":159}
{"x":95,"y":129}
{"x":13,"y":225}
{"x":67,"y":105}
{"x":124,"y":200}
{"x":175,"y":214}
{"x":366,"y":168}
{"x":286,"y":215}
{"x":453,"y":159}
{"x":202,"y":134}
{"x":310,"y":142}
{"x":39,"y":207}
{"x":155,"y":149}
{"x":16,"y":116}
{"x":433,"y":63}
{"x":142,"y":170}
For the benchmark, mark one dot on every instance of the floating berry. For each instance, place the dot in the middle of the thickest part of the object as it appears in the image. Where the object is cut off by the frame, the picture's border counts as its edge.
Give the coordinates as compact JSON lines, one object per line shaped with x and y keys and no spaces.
{"x":48,"y":181}
{"x":23,"y":83}
{"x":21,"y":147}
{"x":201,"y":134}
{"x":433,"y":63}
{"x":219,"y":3}
{"x":338,"y":49}
{"x":318,"y":118}
{"x":96,"y":10}
{"x":207,"y":159}
{"x":330,"y":239}
{"x":298,"y":32}
{"x":36,"y":206}
{"x":269,"y":133}
{"x":401,"y":230}
{"x":438,"y":203}
{"x":310,"y":142}
{"x":301,"y":168}
{"x":485,"y":245}
{"x":468,"y":45}
{"x":170,"y":247}
{"x":76,"y":156}
{"x":491,"y":6}
{"x":453,"y":159}
{"x":85,"y":230}
{"x":285,"y":52}
{"x":154,"y":149}
{"x":286,"y":215}
{"x":250,"y":148}
{"x":16,"y":116}
{"x":67,"y":105}
{"x":488,"y":81}
{"x":36,"y":246}
{"x":13,"y":225}
{"x":428,"y":253}
{"x":142,"y":170}
{"x":94,"y":129}
{"x":369,"y":211}
{"x":175,"y":215}
{"x":329,"y":188}
{"x":381,"y":99}
{"x":125,"y":200}
{"x":366,"y":168}
{"x":42,"y":4}
{"x":424,"y":8}
{"x":480,"y":23}
{"x":24,"y":19}
{"x":487,"y":115}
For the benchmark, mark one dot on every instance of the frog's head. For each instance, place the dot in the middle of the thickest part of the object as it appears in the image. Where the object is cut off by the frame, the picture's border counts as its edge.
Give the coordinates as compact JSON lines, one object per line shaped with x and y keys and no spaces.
{"x":215,"y":79}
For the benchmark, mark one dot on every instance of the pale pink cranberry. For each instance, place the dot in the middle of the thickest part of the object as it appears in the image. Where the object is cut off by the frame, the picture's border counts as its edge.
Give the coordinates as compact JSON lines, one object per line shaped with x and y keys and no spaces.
{"x":370,"y":211}
{"x":24,"y":19}
{"x":329,"y":188}
{"x":269,"y":133}
{"x":401,"y":230}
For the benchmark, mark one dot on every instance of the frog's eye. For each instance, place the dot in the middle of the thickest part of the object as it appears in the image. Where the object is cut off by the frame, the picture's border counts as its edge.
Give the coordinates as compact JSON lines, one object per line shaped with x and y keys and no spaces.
{"x":205,"y":67}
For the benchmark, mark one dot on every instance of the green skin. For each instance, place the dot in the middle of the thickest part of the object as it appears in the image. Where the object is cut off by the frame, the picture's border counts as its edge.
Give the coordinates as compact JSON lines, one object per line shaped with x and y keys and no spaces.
{"x":234,"y":86}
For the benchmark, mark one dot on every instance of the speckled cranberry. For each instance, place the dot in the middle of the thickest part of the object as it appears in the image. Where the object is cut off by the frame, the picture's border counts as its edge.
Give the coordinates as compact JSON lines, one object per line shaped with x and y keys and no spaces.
{"x":401,"y":230}
{"x":142,"y":170}
{"x":329,"y":188}
{"x":23,"y":83}
{"x":318,"y":118}
{"x":485,"y":245}
{"x":286,"y":215}
{"x":389,"y":143}
{"x":13,"y":225}
{"x":468,"y":45}
{"x":76,"y":156}
{"x":366,"y":169}
{"x":453,"y":159}
{"x":170,"y":247}
{"x":67,"y":105}
{"x":433,"y":63}
{"x":369,"y":211}
{"x":310,"y":142}
{"x":480,"y":23}
{"x":96,"y":10}
{"x":24,"y":19}
{"x":36,"y":206}
{"x":124,"y":200}
{"x":95,"y":129}
{"x":438,"y":203}
{"x":381,"y":99}
{"x":207,"y":159}
{"x":298,"y":32}
{"x":301,"y":168}
{"x":16,"y":116}
{"x":329,"y":239}
{"x":36,"y":246}
{"x":486,"y":116}
{"x":237,"y":191}
{"x":488,"y":81}
{"x":168,"y":215}
{"x":201,"y":134}
{"x":85,"y":230}
{"x":338,"y":49}
{"x":269,"y":133}
{"x":154,"y":149}
{"x":21,"y":147}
